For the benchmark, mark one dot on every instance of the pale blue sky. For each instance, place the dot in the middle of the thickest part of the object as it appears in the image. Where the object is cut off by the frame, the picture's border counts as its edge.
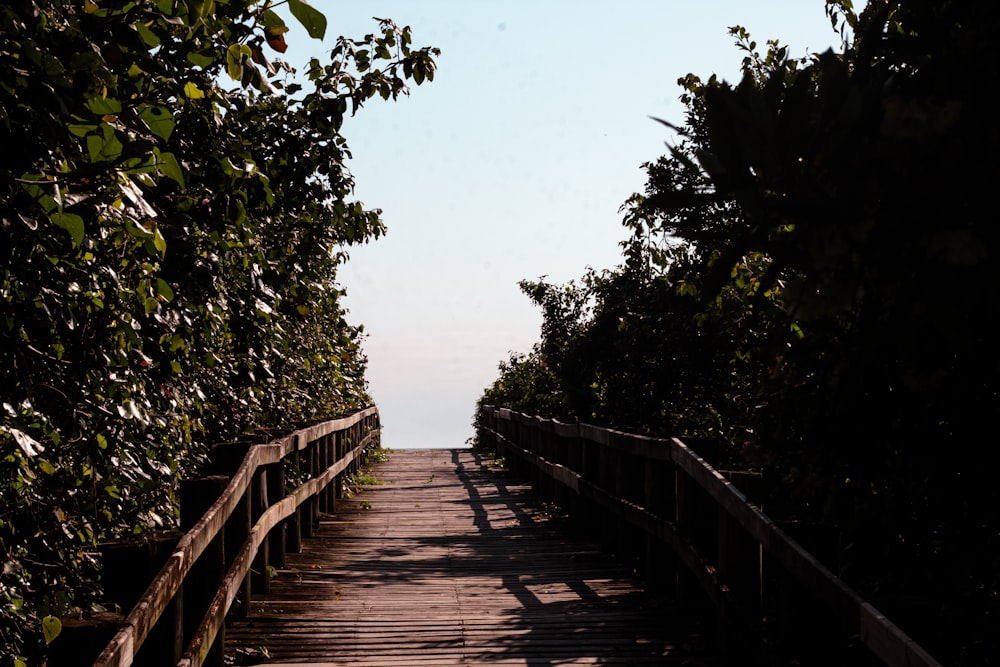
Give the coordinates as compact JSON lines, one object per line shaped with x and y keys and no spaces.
{"x":512,"y":164}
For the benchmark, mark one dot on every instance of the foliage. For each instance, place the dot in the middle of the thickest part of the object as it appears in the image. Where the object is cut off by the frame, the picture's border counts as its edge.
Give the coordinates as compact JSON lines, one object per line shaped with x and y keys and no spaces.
{"x":169,"y":237}
{"x":831,"y":311}
{"x":636,"y":348}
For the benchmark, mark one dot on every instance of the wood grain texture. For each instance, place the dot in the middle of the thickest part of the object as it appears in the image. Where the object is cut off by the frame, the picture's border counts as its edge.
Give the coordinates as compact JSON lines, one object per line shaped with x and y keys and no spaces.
{"x":451,"y":562}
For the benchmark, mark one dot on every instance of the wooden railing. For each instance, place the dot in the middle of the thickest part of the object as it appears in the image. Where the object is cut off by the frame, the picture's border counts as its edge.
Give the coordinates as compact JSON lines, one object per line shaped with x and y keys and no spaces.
{"x":227,"y":553}
{"x":685,"y":525}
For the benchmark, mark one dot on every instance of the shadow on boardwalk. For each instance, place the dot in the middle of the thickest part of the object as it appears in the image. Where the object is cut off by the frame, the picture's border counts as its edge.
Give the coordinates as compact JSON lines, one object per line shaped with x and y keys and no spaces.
{"x":450,"y":562}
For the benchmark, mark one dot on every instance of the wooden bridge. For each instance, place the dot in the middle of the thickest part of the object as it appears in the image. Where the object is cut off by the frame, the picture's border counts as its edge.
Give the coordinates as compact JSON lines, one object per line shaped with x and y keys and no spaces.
{"x":453,"y":560}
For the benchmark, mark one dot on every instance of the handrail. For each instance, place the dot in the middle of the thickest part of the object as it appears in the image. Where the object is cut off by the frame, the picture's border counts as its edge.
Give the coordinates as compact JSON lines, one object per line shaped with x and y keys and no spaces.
{"x":349,"y":436}
{"x":589,"y":461}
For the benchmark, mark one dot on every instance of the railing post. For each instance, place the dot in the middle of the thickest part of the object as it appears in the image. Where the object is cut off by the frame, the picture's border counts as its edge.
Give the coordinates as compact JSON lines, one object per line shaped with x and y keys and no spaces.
{"x":545,"y":485}
{"x":128,"y":567}
{"x":590,"y":468}
{"x":532,"y":441}
{"x":574,"y":461}
{"x":197,"y":495}
{"x":685,"y":518}
{"x":627,"y":486}
{"x":337,"y":445}
{"x":357,"y":462}
{"x":260,"y":576}
{"x":515,"y":434}
{"x":323,"y":462}
{"x":236,"y":533}
{"x":739,"y":569}
{"x":494,"y":432}
{"x":274,"y":473}
{"x":226,"y":460}
{"x":518,"y":438}
{"x":606,"y":481}
{"x":801,"y":625}
{"x":293,"y":530}
{"x":311,"y":518}
{"x":659,"y":496}
{"x":787,"y":608}
{"x":338,"y":449}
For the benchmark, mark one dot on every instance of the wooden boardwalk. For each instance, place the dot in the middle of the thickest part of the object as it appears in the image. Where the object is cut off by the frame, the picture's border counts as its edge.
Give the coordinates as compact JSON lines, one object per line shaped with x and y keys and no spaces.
{"x":452,"y":562}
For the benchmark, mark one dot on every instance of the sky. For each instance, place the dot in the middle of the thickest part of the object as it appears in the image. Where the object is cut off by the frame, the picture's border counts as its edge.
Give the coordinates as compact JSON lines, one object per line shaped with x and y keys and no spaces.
{"x":512,"y":164}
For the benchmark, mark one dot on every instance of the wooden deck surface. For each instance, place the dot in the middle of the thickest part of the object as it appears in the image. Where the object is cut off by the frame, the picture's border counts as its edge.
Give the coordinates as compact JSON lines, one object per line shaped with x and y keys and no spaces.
{"x":452,"y":562}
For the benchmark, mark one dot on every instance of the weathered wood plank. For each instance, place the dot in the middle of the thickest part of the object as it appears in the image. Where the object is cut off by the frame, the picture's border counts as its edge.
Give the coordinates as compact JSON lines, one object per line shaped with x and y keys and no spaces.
{"x":449,"y":563}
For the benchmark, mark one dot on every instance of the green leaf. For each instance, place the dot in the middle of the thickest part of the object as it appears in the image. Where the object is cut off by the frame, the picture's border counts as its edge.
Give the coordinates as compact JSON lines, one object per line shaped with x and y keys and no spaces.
{"x":72,"y":223}
{"x":94,"y":146}
{"x":199,"y":59}
{"x":105,"y":147}
{"x":234,"y":60}
{"x":203,"y":9}
{"x":81,"y":129}
{"x":51,"y":627}
{"x":137,"y":229}
{"x":104,"y":106}
{"x":158,"y":119}
{"x":147,"y":35}
{"x":159,"y":242}
{"x":164,"y":290}
{"x":271,"y":19}
{"x":311,"y":19}
{"x":192,"y":91}
{"x":168,"y":166}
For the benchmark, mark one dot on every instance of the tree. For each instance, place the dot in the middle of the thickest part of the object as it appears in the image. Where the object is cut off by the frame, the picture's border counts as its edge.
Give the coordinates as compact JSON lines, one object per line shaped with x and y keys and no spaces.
{"x":841,"y":253}
{"x":857,"y":176}
{"x":170,"y":238}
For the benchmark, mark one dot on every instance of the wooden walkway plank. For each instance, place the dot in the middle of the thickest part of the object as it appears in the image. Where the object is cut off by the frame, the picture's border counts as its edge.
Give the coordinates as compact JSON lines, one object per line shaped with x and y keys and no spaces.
{"x":450,"y":562}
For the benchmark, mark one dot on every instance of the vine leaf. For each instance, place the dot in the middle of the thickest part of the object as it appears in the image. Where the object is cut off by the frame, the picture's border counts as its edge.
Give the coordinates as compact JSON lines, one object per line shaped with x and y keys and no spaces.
{"x":169,"y":167}
{"x":311,"y":19}
{"x":72,"y":223}
{"x":51,"y":627}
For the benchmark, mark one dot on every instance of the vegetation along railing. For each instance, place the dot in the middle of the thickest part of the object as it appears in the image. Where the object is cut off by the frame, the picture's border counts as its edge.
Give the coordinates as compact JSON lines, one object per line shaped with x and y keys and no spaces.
{"x":252,"y":513}
{"x":685,"y":525}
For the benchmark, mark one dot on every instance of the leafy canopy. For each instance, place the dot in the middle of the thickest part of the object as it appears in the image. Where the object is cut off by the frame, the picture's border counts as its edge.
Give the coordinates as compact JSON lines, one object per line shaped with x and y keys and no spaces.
{"x":171,"y":221}
{"x":809,"y":276}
